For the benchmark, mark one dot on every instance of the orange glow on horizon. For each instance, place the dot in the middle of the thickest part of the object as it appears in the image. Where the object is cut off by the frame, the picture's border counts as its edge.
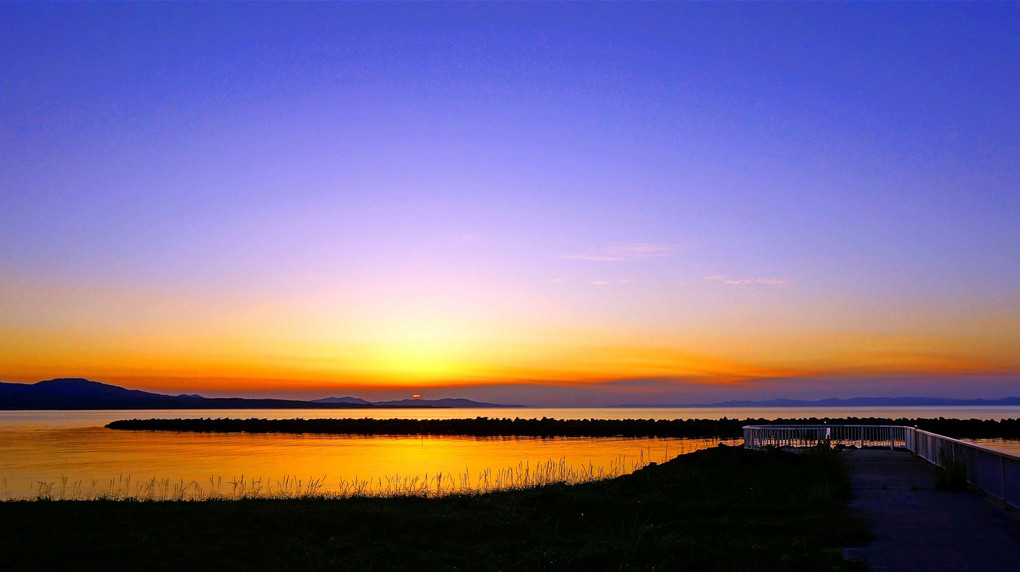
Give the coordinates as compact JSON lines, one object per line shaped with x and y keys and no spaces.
{"x":296,"y":353}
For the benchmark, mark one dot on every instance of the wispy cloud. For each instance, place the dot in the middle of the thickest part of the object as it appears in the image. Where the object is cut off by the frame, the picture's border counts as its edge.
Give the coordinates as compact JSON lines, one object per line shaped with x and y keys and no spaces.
{"x":608,"y":282}
{"x":741,"y":281}
{"x":624,"y":252}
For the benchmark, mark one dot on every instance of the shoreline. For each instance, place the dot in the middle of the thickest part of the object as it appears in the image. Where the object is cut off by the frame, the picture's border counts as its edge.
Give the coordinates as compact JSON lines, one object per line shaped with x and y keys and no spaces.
{"x":547,"y":427}
{"x":718,"y":509}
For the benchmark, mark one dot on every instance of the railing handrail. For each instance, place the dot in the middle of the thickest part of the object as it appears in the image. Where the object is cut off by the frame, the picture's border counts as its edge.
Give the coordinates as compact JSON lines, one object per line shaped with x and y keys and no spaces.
{"x":993,"y":471}
{"x":914,"y":429}
{"x":1006,"y":454}
{"x":823,"y":425}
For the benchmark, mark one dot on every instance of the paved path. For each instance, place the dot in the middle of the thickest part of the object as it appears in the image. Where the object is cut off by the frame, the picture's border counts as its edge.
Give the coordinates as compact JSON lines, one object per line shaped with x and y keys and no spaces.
{"x":919,"y":528}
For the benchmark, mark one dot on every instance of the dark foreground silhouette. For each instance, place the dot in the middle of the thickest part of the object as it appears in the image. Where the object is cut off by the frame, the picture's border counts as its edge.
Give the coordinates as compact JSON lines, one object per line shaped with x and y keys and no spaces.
{"x":545,"y":427}
{"x":719,"y":509}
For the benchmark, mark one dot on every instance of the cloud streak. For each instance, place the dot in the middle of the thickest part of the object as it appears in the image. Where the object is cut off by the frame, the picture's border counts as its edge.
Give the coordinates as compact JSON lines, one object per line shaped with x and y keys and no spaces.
{"x":744,"y":281}
{"x":625,"y":252}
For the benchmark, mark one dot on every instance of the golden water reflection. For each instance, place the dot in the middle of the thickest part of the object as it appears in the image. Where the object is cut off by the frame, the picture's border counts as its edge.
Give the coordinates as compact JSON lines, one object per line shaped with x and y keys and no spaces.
{"x":88,"y":462}
{"x":1011,"y":446}
{"x":70,"y":450}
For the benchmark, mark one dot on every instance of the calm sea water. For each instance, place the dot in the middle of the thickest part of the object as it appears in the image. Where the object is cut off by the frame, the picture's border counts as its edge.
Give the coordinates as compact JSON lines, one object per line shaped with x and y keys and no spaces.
{"x":71,"y":453}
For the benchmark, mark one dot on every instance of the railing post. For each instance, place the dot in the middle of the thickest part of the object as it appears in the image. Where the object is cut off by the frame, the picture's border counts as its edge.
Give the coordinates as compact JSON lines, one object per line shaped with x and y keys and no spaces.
{"x":935,"y":449}
{"x":1002,"y":479}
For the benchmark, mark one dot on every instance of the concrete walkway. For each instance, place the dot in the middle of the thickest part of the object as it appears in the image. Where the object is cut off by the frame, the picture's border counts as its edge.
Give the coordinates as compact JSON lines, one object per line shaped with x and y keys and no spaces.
{"x":919,"y":528}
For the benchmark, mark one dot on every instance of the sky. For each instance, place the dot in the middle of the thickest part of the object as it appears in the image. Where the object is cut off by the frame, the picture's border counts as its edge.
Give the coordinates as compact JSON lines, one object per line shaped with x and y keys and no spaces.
{"x":547,"y":204}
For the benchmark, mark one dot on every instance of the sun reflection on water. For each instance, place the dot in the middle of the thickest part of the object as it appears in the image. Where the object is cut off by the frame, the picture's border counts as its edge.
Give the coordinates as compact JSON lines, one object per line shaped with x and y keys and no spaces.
{"x":91,"y":462}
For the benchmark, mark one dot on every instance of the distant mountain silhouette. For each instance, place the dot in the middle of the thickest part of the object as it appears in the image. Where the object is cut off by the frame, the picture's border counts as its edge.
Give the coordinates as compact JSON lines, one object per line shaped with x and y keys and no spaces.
{"x":351,"y":400}
{"x":854,"y":402}
{"x":445,"y":402}
{"x":79,"y":393}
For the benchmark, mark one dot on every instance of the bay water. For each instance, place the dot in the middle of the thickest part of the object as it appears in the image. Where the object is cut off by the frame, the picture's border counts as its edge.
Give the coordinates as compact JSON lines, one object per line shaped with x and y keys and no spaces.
{"x":70,"y":454}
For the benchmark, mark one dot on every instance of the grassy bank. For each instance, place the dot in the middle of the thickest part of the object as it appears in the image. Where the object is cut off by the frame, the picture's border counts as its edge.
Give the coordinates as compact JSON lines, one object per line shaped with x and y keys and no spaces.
{"x":719,"y":509}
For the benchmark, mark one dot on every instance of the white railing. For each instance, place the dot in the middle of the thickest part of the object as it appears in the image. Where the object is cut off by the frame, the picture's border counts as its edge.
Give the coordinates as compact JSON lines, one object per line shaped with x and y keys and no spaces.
{"x":891,"y":436}
{"x":995,"y":472}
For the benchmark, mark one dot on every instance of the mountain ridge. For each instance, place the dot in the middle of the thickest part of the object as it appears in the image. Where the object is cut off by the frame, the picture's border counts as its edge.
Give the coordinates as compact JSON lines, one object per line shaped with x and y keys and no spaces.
{"x":446,"y":402}
{"x":908,"y":401}
{"x":76,"y":393}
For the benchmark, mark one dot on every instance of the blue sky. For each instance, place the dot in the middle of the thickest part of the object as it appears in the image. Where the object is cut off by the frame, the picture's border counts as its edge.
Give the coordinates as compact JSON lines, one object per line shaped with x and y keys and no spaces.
{"x":300,"y":198}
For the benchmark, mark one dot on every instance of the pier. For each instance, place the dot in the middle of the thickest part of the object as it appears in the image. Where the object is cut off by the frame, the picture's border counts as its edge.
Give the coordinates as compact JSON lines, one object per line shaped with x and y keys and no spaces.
{"x":916,"y":526}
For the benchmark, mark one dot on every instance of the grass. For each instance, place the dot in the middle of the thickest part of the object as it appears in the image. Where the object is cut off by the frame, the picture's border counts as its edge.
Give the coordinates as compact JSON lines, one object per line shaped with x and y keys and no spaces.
{"x":951,"y":472}
{"x":718,"y":509}
{"x":522,"y":476}
{"x":509,"y":478}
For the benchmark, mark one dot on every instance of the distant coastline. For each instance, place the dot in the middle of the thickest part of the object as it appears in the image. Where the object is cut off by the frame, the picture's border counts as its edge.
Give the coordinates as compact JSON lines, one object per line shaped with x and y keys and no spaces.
{"x":545,"y":427}
{"x":79,"y":393}
{"x":852,"y":402}
{"x":85,"y":394}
